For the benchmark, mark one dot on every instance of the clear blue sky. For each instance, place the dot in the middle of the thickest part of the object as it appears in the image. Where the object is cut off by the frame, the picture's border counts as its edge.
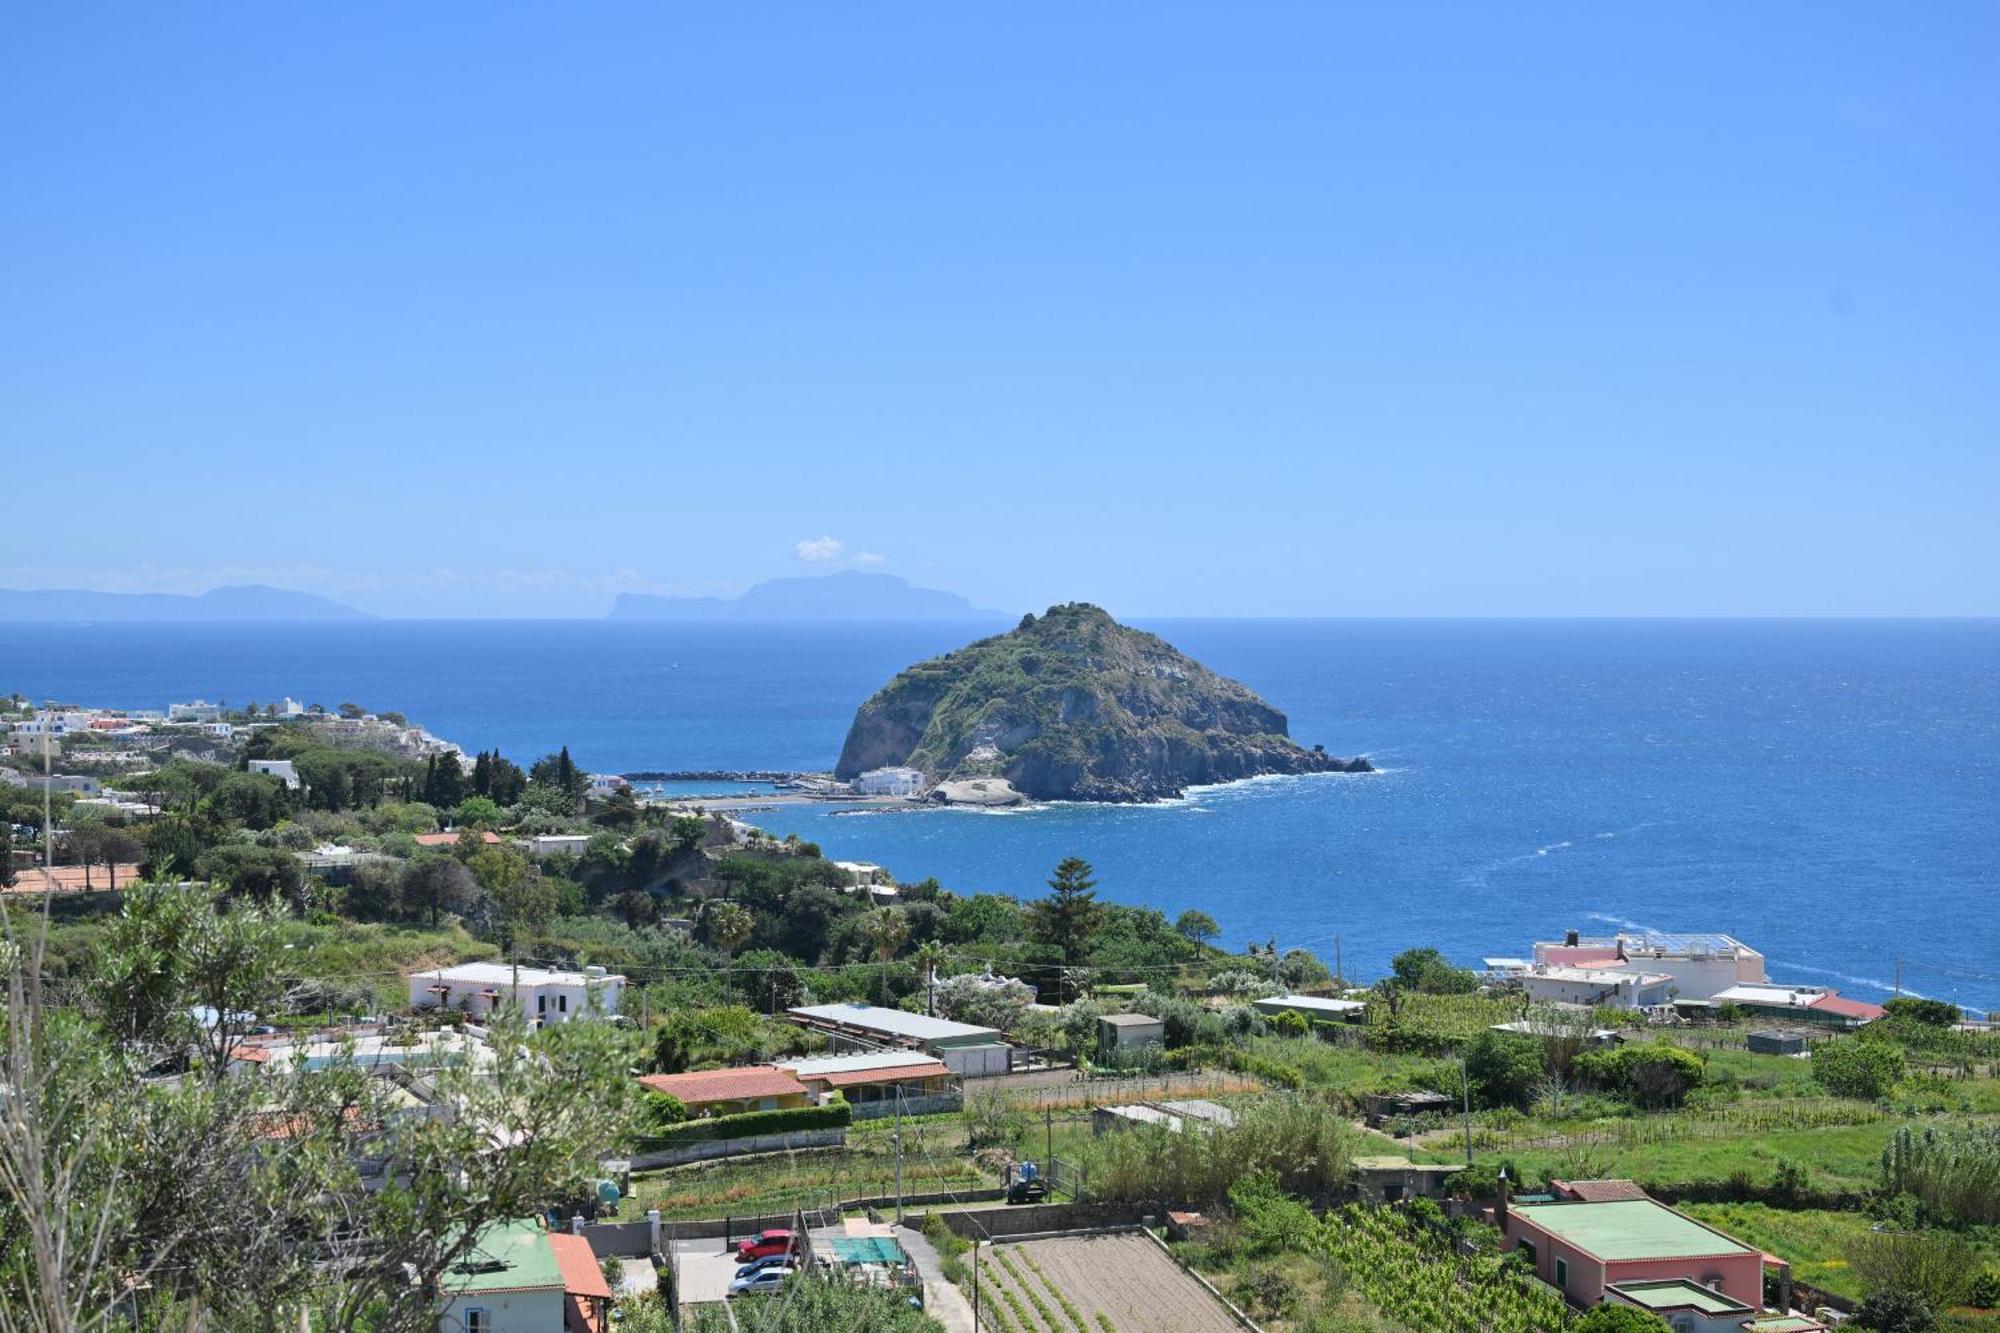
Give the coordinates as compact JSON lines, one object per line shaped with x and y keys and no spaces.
{"x":487,"y":309}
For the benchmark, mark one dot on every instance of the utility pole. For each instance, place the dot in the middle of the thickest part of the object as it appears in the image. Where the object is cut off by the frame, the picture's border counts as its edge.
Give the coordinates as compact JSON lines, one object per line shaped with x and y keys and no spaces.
{"x":48,"y":802}
{"x":1339,"y":972}
{"x":975,"y":1287}
{"x":899,"y":1155}
{"x":1048,"y":1136}
{"x":1465,"y":1086}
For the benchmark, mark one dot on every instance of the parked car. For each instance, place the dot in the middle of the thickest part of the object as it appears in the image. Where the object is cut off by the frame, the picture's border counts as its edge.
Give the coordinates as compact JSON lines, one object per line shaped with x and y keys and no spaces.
{"x":769,"y":1279}
{"x":774,"y":1241}
{"x":768,"y":1261}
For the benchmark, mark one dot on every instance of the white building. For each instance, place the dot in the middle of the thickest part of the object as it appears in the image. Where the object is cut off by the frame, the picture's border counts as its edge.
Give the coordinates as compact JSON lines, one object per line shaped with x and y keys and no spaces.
{"x":221,"y":730}
{"x":603,"y":785}
{"x":890,"y":782}
{"x":1699,"y":966}
{"x":280,"y":769}
{"x":1619,"y":987}
{"x":200,"y":710}
{"x":544,"y":995}
{"x":558,"y":844}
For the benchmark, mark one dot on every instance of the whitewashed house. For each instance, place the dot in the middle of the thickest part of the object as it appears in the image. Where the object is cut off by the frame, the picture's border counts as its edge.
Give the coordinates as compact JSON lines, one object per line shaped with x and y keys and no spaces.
{"x":543,"y":994}
{"x":280,"y":769}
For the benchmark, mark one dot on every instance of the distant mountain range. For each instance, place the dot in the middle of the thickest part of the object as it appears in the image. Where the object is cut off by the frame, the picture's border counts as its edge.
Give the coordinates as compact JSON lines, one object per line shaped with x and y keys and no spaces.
{"x":848,"y":596}
{"x":245,"y":602}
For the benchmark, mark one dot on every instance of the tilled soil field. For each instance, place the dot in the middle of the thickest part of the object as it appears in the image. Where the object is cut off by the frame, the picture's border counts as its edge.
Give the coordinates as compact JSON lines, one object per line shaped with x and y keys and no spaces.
{"x":1112,"y":1284}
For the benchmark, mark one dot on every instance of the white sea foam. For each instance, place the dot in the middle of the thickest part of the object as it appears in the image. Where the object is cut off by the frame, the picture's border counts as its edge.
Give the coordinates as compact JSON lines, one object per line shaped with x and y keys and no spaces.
{"x":1876,"y":982}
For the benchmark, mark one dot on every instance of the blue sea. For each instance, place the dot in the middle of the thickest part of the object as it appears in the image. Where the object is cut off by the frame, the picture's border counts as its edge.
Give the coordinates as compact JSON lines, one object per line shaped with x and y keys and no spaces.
{"x":1828,"y":791}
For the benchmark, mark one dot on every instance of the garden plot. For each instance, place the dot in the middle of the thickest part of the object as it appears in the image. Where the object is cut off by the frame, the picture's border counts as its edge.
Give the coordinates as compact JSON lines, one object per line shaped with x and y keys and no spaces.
{"x":1095,"y":1284}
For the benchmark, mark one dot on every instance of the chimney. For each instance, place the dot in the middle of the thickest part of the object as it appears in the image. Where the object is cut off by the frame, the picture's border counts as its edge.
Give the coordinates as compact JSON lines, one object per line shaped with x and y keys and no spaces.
{"x":1500,"y":1204}
{"x":1784,"y":1288}
{"x":576,"y":1224}
{"x":1571,"y":939}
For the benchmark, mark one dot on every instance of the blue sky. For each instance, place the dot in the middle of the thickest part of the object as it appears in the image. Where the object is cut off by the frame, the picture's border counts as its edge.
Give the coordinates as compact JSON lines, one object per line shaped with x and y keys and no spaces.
{"x":1397,"y":310}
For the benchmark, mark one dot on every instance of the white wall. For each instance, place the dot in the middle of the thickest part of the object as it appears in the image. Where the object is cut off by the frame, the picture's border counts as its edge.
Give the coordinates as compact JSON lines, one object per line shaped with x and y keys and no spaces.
{"x":507,"y":1312}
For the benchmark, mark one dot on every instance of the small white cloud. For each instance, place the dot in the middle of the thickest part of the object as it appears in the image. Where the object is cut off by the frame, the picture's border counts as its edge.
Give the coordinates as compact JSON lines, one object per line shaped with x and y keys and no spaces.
{"x":869,"y":558}
{"x":820,"y":548}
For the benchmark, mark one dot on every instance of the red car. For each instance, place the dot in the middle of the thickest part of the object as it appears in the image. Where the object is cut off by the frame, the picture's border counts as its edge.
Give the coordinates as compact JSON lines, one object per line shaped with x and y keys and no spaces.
{"x":763,"y":1243}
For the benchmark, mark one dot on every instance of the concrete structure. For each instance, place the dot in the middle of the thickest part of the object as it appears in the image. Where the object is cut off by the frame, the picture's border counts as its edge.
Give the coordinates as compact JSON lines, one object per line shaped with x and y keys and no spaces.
{"x":1686,"y":1307}
{"x":1315,"y":1008}
{"x":544,"y":995}
{"x":1697,"y":965}
{"x":1393,"y":1179}
{"x":377,"y":1051}
{"x":82,"y":784}
{"x":1581,"y":1248}
{"x":1617,"y":986}
{"x":1821,"y":1006}
{"x":1122,"y":1036}
{"x":1595,"y":1038}
{"x":1767,"y":1042}
{"x":890,"y":782}
{"x":558,"y":844}
{"x":876,"y":1078}
{"x":1172,"y":1116}
{"x":450,"y":838}
{"x":198,"y":711}
{"x":969,"y":1051}
{"x":732,"y":1091}
{"x":518,"y":1279}
{"x":862,"y":874}
{"x":280,"y":769}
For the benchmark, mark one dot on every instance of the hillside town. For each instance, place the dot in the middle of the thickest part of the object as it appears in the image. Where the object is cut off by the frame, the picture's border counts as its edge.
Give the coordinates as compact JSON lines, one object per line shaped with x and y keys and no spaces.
{"x":497,"y":1048}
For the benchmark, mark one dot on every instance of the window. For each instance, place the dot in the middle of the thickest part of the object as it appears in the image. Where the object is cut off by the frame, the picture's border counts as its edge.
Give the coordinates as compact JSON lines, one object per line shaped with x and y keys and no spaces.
{"x":562,"y":1003}
{"x":478,"y":1321}
{"x":541,"y":1004}
{"x":1562,"y":1274}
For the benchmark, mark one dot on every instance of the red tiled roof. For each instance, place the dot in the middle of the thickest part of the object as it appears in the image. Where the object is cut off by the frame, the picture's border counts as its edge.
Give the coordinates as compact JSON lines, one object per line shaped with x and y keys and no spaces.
{"x":1599,"y":1191}
{"x":578,"y":1264}
{"x":858,"y":1078}
{"x":725,"y":1085}
{"x":256,"y":1055}
{"x":451,"y":839}
{"x":1846,"y":1008}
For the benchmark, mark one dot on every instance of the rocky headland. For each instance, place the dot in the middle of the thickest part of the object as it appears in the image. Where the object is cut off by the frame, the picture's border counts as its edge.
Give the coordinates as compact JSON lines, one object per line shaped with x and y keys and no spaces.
{"x":1072,"y":705}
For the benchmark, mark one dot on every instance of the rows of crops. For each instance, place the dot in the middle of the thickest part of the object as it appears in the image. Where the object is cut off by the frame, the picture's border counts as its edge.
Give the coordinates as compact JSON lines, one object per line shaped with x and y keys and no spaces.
{"x":1415,"y":1285}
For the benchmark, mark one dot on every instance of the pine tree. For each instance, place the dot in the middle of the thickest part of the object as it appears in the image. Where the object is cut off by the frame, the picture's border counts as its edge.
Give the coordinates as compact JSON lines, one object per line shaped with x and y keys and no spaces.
{"x":1068,"y":918}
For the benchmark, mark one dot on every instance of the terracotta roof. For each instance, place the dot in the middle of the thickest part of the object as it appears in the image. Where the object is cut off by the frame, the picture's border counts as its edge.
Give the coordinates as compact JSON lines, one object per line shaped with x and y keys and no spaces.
{"x":256,"y":1055}
{"x":725,"y":1085}
{"x":858,"y":1078}
{"x":581,"y":1275}
{"x":1599,"y":1191}
{"x":1846,"y":1008}
{"x":451,"y":839}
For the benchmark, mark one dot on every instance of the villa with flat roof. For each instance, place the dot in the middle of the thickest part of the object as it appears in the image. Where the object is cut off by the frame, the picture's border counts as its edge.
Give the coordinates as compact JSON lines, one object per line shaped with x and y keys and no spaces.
{"x":1582,"y":1248}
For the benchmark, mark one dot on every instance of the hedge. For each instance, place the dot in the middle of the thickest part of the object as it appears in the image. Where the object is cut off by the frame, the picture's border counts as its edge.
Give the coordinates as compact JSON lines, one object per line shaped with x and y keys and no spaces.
{"x":752,"y":1124}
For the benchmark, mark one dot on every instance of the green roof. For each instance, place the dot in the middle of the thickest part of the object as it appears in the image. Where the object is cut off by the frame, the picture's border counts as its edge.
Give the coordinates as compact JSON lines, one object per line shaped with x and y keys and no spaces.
{"x":508,"y":1256}
{"x":1629,"y":1229}
{"x":1678,"y":1294}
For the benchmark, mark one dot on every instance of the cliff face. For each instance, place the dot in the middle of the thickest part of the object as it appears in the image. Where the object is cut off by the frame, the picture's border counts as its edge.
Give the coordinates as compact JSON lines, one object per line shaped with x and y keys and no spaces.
{"x":1075,"y":706}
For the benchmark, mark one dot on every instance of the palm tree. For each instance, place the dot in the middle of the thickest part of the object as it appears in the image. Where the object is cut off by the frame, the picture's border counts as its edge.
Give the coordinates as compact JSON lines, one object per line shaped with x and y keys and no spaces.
{"x":884,"y":933}
{"x":729,"y":926}
{"x":930,"y":956}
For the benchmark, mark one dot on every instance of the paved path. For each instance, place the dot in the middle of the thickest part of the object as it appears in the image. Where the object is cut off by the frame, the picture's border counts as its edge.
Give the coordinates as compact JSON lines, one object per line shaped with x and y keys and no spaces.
{"x":942,"y":1300}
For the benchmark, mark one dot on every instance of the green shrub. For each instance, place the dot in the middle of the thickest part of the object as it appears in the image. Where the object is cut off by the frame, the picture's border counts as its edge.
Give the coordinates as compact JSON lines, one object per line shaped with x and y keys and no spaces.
{"x":1654,"y":1076}
{"x":834,"y":1115}
{"x":1857,"y":1068}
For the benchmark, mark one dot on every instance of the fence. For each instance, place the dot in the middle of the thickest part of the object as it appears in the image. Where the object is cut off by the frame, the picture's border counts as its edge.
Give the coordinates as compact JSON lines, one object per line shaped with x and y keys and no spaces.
{"x":1083,"y":1091}
{"x":762,"y":1143}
